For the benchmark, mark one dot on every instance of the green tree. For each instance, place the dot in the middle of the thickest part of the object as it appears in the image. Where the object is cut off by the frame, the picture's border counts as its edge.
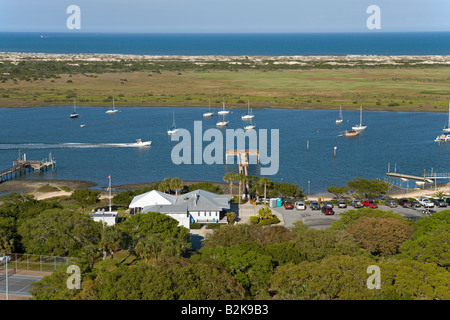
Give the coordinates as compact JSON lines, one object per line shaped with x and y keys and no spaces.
{"x":59,"y":232}
{"x":112,"y":240}
{"x":368,"y":188}
{"x":231,"y":216}
{"x":337,"y":191}
{"x":176,"y":184}
{"x":381,"y":236}
{"x":85,"y":197}
{"x":144,"y":225}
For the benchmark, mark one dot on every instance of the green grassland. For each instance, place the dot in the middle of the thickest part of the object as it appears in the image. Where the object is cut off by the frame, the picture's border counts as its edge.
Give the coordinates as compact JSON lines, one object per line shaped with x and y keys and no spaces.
{"x":177,"y":82}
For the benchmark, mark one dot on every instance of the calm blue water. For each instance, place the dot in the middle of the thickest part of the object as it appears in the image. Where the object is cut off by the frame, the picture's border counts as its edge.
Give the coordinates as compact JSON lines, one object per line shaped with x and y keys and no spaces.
{"x":402,"y":138}
{"x":414,"y":43}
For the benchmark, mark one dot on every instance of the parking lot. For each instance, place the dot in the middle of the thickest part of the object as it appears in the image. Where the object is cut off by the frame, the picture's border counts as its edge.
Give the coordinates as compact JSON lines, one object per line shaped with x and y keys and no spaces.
{"x":316,"y":219}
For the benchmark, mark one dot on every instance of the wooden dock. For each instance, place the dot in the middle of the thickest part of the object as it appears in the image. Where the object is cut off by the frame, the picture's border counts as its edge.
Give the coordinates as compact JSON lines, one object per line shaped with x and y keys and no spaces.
{"x":22,"y":166}
{"x":242,"y":157}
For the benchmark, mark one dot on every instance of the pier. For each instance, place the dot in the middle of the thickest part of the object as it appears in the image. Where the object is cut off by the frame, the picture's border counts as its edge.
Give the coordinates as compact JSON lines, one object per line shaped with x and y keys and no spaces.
{"x":242,"y":157}
{"x":21,"y":166}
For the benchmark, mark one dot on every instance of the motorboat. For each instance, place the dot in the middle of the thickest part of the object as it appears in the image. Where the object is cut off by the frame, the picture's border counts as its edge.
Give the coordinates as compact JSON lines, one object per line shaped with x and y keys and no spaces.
{"x":351,"y":133}
{"x":82,"y":125}
{"x":442,"y":138}
{"x":359,"y":127}
{"x":249,"y":127}
{"x":140,"y":143}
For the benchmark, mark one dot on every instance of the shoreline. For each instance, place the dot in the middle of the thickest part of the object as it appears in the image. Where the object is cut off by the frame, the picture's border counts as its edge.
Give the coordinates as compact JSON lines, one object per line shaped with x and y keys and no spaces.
{"x":31,"y":186}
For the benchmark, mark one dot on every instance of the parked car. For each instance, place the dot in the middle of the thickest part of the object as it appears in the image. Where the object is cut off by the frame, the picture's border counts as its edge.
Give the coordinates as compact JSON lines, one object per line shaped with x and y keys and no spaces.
{"x":327,"y":210}
{"x":369,"y":203}
{"x":314,"y":205}
{"x":404,"y":202}
{"x":328,"y":204}
{"x":288,"y":206}
{"x":391,"y":203}
{"x":356,"y":204}
{"x":425,"y":202}
{"x":448,"y":200}
{"x":300,"y":206}
{"x":440,"y":202}
{"x":342,"y":204}
{"x":415,"y":204}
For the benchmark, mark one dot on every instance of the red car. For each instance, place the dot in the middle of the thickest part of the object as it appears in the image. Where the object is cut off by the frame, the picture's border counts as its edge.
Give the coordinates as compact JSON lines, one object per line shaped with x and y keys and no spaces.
{"x":369,"y":203}
{"x":288,"y":206}
{"x":327,"y":210}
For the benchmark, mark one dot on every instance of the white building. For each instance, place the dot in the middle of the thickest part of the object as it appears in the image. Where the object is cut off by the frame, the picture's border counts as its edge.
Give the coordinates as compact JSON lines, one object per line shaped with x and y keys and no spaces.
{"x":196,"y":206}
{"x":109,"y":217}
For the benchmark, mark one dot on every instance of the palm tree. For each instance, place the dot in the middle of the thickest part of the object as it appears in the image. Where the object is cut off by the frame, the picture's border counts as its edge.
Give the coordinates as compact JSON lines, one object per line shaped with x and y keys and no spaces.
{"x":265,"y":181}
{"x":230,"y":177}
{"x":176,"y":184}
{"x":242,"y":178}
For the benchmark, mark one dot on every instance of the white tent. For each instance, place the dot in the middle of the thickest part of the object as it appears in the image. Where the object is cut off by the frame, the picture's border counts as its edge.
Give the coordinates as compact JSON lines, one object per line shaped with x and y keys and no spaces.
{"x":152,"y":198}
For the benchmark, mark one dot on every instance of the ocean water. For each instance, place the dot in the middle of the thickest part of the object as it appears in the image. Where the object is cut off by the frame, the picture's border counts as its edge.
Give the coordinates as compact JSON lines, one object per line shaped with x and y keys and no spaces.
{"x":368,"y":43}
{"x":404,"y":140}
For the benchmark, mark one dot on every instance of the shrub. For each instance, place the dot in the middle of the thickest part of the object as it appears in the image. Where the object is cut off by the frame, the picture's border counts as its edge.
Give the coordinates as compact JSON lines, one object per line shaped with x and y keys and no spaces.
{"x":195,"y":225}
{"x":254,"y":220}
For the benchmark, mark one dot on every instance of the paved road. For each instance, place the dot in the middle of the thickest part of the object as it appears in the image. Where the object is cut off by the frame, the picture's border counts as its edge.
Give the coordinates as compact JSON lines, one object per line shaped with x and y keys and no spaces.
{"x":316,"y":219}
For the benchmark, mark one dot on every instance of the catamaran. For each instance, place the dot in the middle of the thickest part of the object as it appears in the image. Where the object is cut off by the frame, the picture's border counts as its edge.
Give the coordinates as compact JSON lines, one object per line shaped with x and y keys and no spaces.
{"x":74,"y":114}
{"x":209,"y":113}
{"x":359,"y":127}
{"x":173,"y":129}
{"x":447,"y":128}
{"x":340,"y":119}
{"x":249,"y":115}
{"x":113,"y":109}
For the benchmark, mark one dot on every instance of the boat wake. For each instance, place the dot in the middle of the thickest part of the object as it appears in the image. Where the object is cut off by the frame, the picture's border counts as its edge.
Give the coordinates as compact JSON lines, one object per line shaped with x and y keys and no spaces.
{"x":14,"y":146}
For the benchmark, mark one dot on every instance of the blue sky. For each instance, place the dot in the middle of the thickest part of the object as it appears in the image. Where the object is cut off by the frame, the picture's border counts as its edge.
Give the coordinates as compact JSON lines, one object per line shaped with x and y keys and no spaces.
{"x":224,"y":16}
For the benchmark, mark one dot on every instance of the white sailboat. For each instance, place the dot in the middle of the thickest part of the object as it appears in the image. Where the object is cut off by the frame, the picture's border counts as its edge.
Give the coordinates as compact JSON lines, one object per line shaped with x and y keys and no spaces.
{"x":223,"y":111}
{"x":340,"y":119}
{"x":113,"y":109}
{"x":447,"y":128}
{"x":173,"y":129}
{"x":249,"y":115}
{"x":74,"y":114}
{"x":359,"y":127}
{"x":209,"y":113}
{"x":250,"y":126}
{"x":222,"y":123}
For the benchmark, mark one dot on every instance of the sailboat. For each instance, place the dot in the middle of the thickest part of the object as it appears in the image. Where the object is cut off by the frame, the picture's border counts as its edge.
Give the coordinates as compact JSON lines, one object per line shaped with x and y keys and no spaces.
{"x":223,"y":111}
{"x":340,"y":119}
{"x":173,"y":129}
{"x":447,"y":128}
{"x":74,"y":114}
{"x":359,"y":127}
{"x":249,"y":126}
{"x":222,"y":123}
{"x":209,"y":113}
{"x":249,"y":115}
{"x":113,"y":110}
